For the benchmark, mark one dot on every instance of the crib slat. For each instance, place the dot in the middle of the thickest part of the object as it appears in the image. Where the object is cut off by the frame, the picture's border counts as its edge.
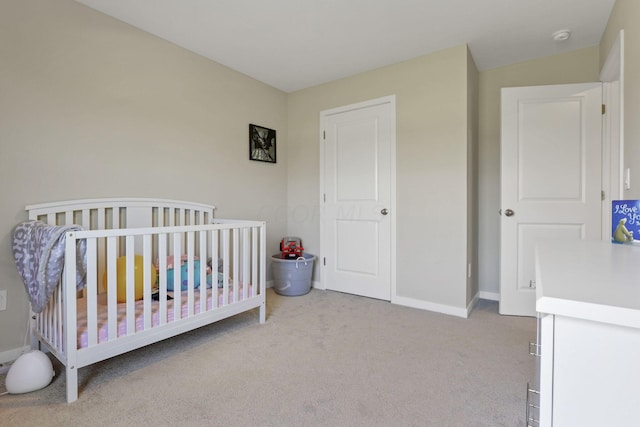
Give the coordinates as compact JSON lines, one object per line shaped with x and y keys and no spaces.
{"x":92,"y":292}
{"x":191,"y":217}
{"x":51,"y":326}
{"x":68,"y":217}
{"x":215,"y":241}
{"x":171,"y":218}
{"x":254,"y":257}
{"x":177,"y":279}
{"x":148,"y":280}
{"x":100,"y":225}
{"x":42,"y":322}
{"x":160,"y":217}
{"x":56,"y":324}
{"x":236,"y":276}
{"x":45,"y":318}
{"x":245,"y":262}
{"x":131,"y":285}
{"x":86,"y":218}
{"x":162,"y":266}
{"x":191,"y":274}
{"x":112,"y":302}
{"x":115,"y":217}
{"x":58,"y":316}
{"x":225,"y":266}
{"x":101,"y":219}
{"x":47,"y":324}
{"x":183,"y":219}
{"x":203,"y":271}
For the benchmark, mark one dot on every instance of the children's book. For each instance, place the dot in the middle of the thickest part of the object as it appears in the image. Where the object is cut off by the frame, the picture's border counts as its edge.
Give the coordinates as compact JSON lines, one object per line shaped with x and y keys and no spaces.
{"x":625,"y":221}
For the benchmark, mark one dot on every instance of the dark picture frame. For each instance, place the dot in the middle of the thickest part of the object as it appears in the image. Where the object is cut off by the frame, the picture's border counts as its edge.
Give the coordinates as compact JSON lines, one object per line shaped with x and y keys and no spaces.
{"x":262,"y":144}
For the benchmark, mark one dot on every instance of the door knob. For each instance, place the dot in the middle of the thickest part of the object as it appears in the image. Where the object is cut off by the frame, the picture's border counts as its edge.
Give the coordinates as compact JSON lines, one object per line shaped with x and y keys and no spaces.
{"x":509,"y":212}
{"x":384,"y":211}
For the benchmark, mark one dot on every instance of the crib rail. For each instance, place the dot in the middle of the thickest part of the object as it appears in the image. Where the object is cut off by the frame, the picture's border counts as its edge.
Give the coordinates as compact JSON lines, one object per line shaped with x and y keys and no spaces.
{"x":236,"y":244}
{"x":121,"y":213}
{"x":100,"y":214}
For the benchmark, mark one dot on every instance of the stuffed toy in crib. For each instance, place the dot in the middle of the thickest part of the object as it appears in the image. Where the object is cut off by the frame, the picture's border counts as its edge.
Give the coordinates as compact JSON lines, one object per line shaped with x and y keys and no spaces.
{"x":184,"y":273}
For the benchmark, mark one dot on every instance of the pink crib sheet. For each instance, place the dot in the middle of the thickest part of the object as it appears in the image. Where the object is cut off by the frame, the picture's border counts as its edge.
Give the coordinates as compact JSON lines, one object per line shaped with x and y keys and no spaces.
{"x":103,"y":331}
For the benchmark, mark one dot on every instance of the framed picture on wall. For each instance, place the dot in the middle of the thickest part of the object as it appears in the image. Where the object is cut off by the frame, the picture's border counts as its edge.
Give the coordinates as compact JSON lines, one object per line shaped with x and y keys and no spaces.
{"x":262,"y":144}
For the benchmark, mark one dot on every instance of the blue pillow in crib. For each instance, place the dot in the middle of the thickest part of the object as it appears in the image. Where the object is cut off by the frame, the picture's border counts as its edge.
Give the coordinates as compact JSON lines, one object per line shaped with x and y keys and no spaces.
{"x":184,"y":276}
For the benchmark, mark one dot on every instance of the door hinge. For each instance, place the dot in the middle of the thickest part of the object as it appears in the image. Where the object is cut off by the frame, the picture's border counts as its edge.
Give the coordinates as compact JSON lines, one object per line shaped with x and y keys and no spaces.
{"x":324,"y":134}
{"x":324,"y":261}
{"x":604,"y":109}
{"x":324,"y":196}
{"x":602,"y":196}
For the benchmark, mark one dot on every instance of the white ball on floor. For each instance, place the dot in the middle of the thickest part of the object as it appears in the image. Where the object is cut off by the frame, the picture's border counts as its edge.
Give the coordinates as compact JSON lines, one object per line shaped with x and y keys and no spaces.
{"x":31,"y":371}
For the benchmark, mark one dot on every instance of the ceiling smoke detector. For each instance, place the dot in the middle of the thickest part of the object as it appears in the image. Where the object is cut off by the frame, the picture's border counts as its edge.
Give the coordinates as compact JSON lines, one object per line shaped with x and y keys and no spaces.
{"x":561,"y":35}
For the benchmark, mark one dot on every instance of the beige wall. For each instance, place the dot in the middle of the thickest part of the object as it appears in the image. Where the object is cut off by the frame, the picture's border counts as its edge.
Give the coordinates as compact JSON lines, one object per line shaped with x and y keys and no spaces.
{"x":626,"y":16}
{"x":573,"y":67}
{"x":91,"y":107}
{"x":432,"y":169}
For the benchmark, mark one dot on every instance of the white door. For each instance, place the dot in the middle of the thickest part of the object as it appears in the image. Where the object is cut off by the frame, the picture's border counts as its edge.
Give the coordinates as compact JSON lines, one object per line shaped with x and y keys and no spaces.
{"x":357,"y":209}
{"x":551,"y":148}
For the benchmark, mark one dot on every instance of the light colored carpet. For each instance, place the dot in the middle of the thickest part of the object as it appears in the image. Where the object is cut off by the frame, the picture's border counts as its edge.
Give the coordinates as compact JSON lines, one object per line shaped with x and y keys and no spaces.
{"x":322,"y":359}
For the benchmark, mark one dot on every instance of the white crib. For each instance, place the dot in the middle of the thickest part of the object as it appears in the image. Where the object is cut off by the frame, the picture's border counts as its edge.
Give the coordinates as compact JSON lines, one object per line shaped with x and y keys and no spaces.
{"x":82,"y":328}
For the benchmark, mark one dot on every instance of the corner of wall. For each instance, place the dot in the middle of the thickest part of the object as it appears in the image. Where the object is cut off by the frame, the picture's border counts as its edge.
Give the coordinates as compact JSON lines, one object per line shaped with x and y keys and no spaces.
{"x":472,"y":177}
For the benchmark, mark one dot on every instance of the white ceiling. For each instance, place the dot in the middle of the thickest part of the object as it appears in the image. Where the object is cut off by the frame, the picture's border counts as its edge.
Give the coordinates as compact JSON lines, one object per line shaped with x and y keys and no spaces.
{"x":294,"y":44}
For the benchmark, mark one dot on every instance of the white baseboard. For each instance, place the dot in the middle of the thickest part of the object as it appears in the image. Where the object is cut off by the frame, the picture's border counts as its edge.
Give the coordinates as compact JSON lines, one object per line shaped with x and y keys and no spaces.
{"x":11,"y":355}
{"x":431,"y":306}
{"x":493,"y":296}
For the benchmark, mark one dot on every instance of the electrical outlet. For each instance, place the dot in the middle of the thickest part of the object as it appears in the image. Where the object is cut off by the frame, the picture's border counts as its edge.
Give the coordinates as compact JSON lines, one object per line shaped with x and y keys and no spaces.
{"x":3,"y":299}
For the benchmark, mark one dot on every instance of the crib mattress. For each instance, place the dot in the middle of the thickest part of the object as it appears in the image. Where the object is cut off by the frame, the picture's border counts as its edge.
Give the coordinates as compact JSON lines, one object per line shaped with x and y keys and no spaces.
{"x":102,"y":322}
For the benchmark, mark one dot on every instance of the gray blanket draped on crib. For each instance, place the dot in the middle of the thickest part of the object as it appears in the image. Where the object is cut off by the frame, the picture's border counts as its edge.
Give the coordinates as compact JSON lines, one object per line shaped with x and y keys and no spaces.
{"x":39,"y":251}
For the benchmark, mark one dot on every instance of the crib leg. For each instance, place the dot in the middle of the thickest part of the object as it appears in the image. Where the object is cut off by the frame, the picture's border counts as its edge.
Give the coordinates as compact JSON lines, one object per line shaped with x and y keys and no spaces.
{"x":72,"y":384}
{"x":35,"y":342}
{"x":263,"y":311}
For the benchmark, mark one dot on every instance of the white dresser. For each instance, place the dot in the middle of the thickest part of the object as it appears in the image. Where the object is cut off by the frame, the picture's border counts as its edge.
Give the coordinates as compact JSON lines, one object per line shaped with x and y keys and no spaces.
{"x":588,"y":300}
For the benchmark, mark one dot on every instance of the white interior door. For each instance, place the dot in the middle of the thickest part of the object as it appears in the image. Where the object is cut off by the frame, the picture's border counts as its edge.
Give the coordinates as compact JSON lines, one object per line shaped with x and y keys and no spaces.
{"x":357,"y":208}
{"x":551,"y":150}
